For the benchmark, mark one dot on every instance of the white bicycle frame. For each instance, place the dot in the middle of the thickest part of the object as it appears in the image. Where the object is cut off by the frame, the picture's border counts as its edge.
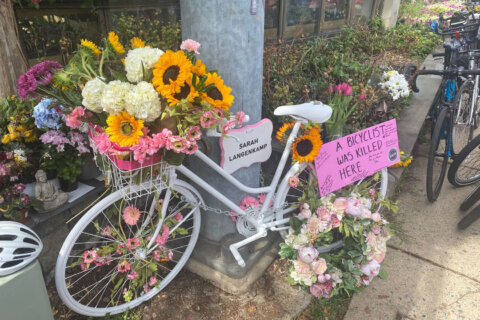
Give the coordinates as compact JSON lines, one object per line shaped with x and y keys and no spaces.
{"x":269,"y":190}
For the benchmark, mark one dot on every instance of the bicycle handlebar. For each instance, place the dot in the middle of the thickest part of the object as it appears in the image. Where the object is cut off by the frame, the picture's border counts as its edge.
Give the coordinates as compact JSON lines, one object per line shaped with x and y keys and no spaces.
{"x":412,"y":73}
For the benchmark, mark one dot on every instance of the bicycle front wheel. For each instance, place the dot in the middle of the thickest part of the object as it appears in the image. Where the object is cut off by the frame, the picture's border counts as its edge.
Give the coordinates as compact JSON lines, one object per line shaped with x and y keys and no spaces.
{"x":463,"y":125}
{"x":465,"y":168}
{"x":105,"y":264}
{"x":438,"y":160}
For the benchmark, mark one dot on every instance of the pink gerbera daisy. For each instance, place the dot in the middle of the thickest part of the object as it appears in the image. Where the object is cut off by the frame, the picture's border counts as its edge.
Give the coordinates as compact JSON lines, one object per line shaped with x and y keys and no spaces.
{"x":206,"y":120}
{"x":131,"y":215}
{"x":120,"y":248}
{"x":178,"y":216}
{"x":293,"y":181}
{"x":133,"y":243}
{"x":177,"y":144}
{"x":132,"y":275}
{"x":229,"y":126}
{"x":191,"y":148}
{"x":194,"y":133}
{"x":83,"y":266}
{"x":146,"y":289}
{"x":90,"y":256}
{"x":239,"y":117}
{"x":123,"y":266}
{"x":152,"y":281}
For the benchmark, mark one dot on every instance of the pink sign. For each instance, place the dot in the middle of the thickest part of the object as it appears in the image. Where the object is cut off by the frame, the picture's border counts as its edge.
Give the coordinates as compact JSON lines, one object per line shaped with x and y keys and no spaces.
{"x":356,"y":156}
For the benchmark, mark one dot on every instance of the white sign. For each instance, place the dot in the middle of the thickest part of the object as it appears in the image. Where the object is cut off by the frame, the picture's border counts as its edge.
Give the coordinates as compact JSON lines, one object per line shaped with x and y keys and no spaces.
{"x":247,"y":145}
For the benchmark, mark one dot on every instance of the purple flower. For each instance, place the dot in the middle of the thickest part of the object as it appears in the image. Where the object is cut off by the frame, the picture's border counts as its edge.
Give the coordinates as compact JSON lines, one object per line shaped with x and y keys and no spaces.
{"x":40,"y":74}
{"x":18,"y":188}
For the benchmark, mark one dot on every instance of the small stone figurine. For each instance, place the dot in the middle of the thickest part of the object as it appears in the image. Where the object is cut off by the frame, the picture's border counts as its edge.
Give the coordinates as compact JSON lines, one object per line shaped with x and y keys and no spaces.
{"x":48,"y":193}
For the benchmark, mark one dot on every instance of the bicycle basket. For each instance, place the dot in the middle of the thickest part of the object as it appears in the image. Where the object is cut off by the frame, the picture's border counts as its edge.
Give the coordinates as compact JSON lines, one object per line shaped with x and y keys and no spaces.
{"x":124,"y":173}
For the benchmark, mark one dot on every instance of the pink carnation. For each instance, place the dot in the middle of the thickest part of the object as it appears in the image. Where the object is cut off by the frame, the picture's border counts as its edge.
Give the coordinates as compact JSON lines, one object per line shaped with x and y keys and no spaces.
{"x":190,"y":45}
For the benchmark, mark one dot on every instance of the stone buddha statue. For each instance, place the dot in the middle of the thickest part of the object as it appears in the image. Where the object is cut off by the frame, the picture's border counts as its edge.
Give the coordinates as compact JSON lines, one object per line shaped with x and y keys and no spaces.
{"x":46,"y":191}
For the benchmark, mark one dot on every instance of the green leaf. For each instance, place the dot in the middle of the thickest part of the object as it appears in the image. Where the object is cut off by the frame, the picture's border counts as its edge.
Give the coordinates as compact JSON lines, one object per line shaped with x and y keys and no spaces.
{"x":382,"y":274}
{"x":295,"y":224}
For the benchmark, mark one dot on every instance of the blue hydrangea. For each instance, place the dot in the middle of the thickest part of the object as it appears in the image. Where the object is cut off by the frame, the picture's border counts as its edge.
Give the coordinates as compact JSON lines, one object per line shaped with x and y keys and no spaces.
{"x":46,"y":116}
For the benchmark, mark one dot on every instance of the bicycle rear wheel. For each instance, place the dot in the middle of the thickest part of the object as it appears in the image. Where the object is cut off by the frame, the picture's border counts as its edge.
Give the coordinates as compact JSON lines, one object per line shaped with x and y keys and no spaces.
{"x":465,"y":168}
{"x":105,"y":264}
{"x":463,"y":126}
{"x":437,"y":160}
{"x":289,"y":198}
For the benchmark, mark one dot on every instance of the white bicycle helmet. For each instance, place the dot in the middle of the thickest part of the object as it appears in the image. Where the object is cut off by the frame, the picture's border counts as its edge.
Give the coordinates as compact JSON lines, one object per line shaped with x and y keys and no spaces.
{"x":19,"y":246}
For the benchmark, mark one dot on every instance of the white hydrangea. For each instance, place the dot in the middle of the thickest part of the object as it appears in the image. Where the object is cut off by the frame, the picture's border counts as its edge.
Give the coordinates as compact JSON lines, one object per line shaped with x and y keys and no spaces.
{"x":114,"y":95}
{"x":395,"y":84}
{"x":143,"y":102}
{"x":92,"y":95}
{"x":140,"y":59}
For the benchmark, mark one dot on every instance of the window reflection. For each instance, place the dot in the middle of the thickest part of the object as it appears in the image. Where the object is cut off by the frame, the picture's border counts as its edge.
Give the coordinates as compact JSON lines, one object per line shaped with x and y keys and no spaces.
{"x":335,"y":10}
{"x":363,"y":8}
{"x":302,"y":11}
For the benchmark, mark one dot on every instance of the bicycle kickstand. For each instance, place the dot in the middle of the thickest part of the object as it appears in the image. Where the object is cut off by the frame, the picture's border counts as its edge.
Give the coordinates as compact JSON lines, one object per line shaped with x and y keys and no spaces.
{"x":235,"y":246}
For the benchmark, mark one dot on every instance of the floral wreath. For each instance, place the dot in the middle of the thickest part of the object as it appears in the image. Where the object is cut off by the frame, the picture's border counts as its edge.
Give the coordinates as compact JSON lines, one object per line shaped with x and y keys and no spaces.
{"x":353,"y":216}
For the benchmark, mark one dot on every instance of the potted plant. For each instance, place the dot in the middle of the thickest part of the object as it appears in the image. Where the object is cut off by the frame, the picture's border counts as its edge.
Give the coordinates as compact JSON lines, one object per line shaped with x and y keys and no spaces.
{"x":14,"y":203}
{"x":65,"y":154}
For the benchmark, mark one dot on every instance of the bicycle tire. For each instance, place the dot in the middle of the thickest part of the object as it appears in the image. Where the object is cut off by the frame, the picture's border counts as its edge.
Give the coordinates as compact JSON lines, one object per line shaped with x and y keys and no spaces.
{"x":462,"y":127}
{"x":470,"y":218}
{"x":289,"y":196}
{"x":471,"y":199}
{"x":101,"y":289}
{"x":434,"y":185}
{"x":465,"y":168}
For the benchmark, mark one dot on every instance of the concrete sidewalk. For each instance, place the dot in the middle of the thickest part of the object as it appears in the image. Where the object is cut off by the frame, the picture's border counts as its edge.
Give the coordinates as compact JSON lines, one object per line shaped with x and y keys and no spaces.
{"x":434,"y":273}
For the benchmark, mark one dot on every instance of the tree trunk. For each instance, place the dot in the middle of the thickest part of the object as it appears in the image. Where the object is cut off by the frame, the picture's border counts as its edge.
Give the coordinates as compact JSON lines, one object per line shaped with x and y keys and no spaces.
{"x":12,"y":62}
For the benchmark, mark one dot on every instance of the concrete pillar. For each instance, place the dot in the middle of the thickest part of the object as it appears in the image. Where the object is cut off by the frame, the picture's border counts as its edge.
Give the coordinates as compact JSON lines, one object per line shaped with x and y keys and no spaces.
{"x":390,"y":12}
{"x":231,"y":38}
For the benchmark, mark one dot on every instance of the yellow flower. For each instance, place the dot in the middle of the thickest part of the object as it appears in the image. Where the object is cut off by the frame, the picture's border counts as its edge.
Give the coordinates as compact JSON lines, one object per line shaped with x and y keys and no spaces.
{"x":137,"y":43}
{"x":124,"y":129}
{"x":90,"y":45}
{"x":113,"y":40}
{"x":281,"y":132}
{"x":170,"y":72}
{"x":219,"y":95}
{"x":6,"y":139}
{"x":306,"y":148}
{"x":187,"y":91}
{"x":199,"y":68}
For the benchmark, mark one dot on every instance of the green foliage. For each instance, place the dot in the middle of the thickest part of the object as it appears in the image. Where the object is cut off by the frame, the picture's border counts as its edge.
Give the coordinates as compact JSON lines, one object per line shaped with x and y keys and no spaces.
{"x":300,"y":71}
{"x":151,"y":29}
{"x":67,"y":164}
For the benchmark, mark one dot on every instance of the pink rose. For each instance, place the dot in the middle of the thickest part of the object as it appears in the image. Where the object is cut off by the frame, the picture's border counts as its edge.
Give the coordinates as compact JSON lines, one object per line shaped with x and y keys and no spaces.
{"x":340,"y":203}
{"x":307,"y":254}
{"x":321,"y":289}
{"x":190,"y":45}
{"x":319,"y":266}
{"x":315,"y":225}
{"x":376,"y":217}
{"x":371,"y":269}
{"x":324,"y":214}
{"x":354,"y":207}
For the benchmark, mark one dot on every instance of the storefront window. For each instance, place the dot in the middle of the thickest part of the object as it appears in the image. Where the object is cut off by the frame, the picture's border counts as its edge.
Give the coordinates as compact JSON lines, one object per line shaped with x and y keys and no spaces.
{"x":335,"y":10}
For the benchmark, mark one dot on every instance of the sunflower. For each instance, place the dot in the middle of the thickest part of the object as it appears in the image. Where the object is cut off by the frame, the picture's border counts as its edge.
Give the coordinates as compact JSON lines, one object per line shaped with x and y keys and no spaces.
{"x":219,"y":95}
{"x":306,"y":148}
{"x":170,"y":72}
{"x":282,"y":131}
{"x":199,"y":68}
{"x":137,"y":43}
{"x":187,"y":91}
{"x":90,"y":45}
{"x":113,"y":40}
{"x":123,"y":129}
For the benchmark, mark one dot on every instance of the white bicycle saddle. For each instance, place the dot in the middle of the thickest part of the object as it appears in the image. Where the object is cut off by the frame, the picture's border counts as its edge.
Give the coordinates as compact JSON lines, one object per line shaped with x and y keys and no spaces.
{"x":314,"y":111}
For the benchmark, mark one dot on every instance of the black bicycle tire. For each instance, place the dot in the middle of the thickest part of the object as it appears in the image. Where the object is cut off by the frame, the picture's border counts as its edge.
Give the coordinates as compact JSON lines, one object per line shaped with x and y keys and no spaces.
{"x":470,"y":218}
{"x":471,"y":199}
{"x":434,"y":191}
{"x":457,"y":162}
{"x":467,"y":86}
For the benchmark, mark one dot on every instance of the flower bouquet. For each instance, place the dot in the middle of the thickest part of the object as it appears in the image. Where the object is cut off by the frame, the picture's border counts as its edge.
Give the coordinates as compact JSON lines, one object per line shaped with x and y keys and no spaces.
{"x":342,"y":103}
{"x":145,"y":102}
{"x":354,"y":216}
{"x":14,"y":203}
